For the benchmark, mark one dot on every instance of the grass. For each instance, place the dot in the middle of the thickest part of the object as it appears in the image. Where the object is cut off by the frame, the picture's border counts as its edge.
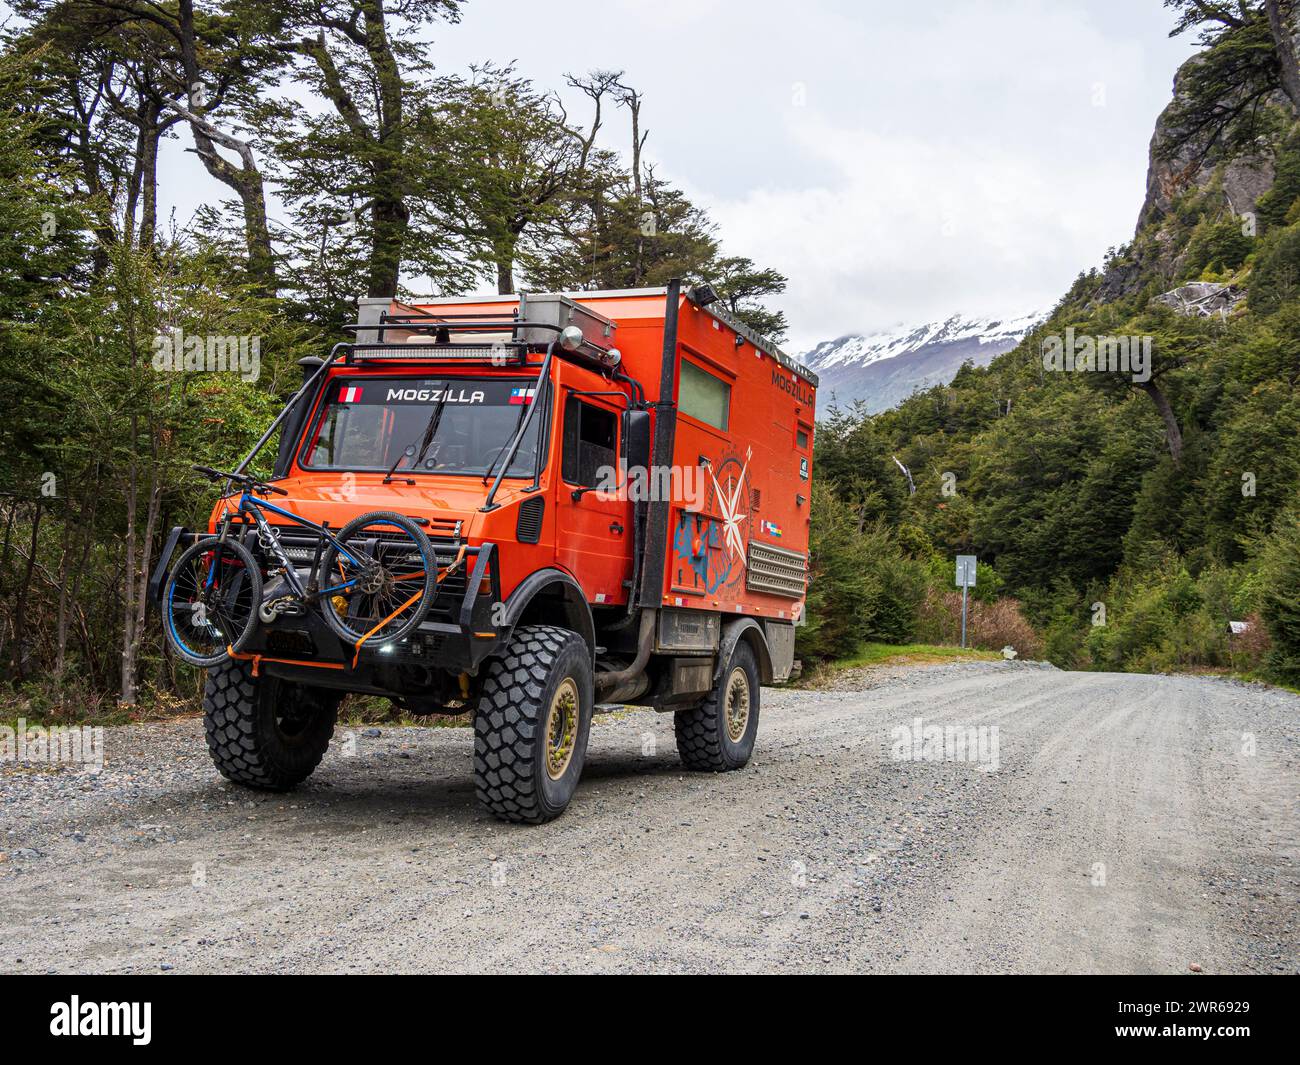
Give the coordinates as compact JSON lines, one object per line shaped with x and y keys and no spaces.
{"x":50,"y":703}
{"x":888,"y":654}
{"x":894,"y":654}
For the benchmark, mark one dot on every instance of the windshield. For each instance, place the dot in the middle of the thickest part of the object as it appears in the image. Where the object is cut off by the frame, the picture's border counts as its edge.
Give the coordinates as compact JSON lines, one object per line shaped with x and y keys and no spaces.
{"x":381,"y":423}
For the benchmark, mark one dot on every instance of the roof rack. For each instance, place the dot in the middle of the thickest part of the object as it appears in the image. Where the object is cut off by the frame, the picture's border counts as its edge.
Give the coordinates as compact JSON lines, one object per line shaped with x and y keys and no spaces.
{"x":441,"y":328}
{"x":756,"y":338}
{"x":534,"y":323}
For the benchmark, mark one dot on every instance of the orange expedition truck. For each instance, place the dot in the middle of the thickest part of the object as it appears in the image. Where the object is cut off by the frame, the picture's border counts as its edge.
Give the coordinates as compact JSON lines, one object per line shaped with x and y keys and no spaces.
{"x":611,"y":492}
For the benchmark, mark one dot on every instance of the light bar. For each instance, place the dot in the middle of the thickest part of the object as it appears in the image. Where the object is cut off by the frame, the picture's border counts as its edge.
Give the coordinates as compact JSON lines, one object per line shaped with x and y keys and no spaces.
{"x":498,"y":354}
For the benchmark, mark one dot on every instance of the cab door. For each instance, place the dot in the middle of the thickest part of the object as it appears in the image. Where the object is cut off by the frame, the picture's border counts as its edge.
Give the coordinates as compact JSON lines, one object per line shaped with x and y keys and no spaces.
{"x":593,"y":528}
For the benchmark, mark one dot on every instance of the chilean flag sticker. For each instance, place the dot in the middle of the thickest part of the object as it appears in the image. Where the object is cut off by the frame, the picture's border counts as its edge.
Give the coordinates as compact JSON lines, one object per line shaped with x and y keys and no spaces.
{"x":522,"y":395}
{"x":351,"y":394}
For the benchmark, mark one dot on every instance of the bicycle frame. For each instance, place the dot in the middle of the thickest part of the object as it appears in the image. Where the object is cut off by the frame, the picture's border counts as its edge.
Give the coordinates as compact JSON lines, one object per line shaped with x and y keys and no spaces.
{"x":252,"y":507}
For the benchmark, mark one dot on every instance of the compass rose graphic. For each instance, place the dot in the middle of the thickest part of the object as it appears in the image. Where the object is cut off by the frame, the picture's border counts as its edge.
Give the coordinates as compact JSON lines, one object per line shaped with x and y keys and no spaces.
{"x":715,"y":547}
{"x":730,"y":498}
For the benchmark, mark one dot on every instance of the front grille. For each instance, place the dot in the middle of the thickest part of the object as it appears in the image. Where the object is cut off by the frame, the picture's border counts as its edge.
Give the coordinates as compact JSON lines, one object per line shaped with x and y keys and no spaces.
{"x":300,"y":545}
{"x":451,"y":593}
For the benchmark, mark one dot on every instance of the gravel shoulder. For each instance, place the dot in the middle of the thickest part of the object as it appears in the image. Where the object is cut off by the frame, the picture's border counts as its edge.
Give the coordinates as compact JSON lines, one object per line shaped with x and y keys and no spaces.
{"x":1132,"y":823}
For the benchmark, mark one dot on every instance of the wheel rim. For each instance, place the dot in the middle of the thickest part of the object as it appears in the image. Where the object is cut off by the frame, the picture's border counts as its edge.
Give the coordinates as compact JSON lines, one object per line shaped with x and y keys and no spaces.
{"x":561,"y":728}
{"x":203,"y":621}
{"x":737,"y":708}
{"x":378,"y":595}
{"x":294,"y":712}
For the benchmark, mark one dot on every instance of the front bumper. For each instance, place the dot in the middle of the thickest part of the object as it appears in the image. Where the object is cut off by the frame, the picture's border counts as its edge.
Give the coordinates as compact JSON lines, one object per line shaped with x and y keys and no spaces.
{"x":456,"y":635}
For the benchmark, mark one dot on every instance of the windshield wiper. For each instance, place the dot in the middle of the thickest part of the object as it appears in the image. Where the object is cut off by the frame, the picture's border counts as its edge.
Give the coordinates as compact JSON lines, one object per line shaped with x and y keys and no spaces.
{"x":430,"y":431}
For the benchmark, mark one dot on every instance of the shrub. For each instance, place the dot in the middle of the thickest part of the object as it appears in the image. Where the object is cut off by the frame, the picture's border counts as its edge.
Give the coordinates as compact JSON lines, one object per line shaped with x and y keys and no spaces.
{"x":1276,"y":276}
{"x":1274,"y":207}
{"x":990,"y":626}
{"x":1220,"y":247}
{"x":1249,"y":650}
{"x":862,"y":585}
{"x":1136,"y":628}
{"x":1161,"y":619}
{"x":1197,"y":640}
{"x":1280,"y":596}
{"x":842,"y":588}
{"x":1063,"y":641}
{"x":901,"y":581}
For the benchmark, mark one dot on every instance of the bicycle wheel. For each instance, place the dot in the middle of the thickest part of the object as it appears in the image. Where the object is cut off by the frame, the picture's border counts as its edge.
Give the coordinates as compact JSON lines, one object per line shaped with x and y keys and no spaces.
{"x":379,"y":589}
{"x":210,"y":601}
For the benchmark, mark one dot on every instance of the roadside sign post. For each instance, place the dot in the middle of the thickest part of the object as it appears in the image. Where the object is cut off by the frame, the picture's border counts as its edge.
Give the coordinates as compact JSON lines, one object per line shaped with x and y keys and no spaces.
{"x":965,"y":580}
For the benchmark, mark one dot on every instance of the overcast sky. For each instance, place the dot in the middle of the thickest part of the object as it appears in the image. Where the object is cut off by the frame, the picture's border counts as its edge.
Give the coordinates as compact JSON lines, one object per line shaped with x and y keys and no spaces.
{"x":899,"y":161}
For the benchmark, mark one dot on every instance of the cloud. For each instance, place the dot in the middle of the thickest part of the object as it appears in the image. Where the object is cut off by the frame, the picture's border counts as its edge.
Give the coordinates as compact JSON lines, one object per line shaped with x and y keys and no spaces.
{"x":962,"y":158}
{"x":911,"y":229}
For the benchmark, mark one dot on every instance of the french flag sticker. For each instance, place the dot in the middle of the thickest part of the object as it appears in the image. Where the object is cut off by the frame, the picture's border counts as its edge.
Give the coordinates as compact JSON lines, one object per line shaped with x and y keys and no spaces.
{"x":351,"y":394}
{"x":522,"y":395}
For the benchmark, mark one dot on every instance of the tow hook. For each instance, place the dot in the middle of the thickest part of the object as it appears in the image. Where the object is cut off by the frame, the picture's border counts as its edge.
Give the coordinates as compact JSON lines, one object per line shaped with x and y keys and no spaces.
{"x":283,"y":606}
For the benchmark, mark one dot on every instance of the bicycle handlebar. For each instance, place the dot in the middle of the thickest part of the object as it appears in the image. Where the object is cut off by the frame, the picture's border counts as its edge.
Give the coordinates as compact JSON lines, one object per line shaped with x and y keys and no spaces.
{"x":245,"y":479}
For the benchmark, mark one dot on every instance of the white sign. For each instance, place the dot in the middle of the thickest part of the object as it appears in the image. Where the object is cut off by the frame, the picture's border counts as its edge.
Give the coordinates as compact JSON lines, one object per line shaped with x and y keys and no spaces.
{"x":965,"y":571}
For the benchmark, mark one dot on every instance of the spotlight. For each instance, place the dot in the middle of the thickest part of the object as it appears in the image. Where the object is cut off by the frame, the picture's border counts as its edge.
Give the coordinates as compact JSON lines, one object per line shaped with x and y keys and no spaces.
{"x":703,"y":295}
{"x":571,"y":338}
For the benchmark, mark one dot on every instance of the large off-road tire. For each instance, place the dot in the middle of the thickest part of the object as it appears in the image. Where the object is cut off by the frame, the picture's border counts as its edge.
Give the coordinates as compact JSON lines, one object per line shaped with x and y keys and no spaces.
{"x":532,"y":723}
{"x":718,"y":735}
{"x":263,"y":732}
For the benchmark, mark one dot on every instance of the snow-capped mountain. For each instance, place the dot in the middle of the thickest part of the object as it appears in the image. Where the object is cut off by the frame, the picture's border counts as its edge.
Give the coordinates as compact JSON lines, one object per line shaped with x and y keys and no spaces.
{"x":885,"y":368}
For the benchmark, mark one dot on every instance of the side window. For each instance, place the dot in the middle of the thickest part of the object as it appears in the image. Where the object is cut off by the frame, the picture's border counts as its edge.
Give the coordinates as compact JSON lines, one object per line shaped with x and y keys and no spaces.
{"x":590,"y":442}
{"x":801,"y":437}
{"x":703,"y":396}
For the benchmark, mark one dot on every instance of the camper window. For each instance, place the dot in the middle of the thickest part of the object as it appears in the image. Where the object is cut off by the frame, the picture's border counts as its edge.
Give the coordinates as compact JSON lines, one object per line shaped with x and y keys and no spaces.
{"x":703,"y":396}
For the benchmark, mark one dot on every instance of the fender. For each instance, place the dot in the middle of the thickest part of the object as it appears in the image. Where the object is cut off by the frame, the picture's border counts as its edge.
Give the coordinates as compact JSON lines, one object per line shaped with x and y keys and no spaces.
{"x":556,"y":592}
{"x":749,"y":630}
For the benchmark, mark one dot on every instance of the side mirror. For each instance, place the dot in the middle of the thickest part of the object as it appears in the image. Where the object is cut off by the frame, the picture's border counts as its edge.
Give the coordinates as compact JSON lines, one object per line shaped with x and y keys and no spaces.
{"x":310,"y":364}
{"x":294,"y":418}
{"x":636,"y":437}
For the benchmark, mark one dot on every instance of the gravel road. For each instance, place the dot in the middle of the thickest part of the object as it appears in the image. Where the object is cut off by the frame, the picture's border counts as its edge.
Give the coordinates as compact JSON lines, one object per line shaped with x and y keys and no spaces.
{"x":1122,"y":823}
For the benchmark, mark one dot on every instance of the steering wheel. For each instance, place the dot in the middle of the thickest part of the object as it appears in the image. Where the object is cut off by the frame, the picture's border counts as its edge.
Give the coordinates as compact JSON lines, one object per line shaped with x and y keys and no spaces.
{"x":527,"y":458}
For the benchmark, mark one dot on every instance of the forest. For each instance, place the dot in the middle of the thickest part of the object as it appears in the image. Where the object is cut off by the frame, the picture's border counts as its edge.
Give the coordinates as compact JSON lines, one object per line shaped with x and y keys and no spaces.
{"x":1120,"y":524}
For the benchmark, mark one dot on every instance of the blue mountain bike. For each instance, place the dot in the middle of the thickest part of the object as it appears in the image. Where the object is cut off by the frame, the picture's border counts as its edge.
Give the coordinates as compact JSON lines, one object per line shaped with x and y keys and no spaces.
{"x":373,"y":581}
